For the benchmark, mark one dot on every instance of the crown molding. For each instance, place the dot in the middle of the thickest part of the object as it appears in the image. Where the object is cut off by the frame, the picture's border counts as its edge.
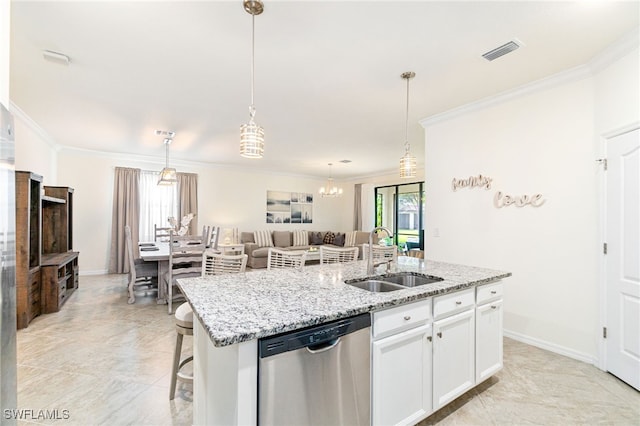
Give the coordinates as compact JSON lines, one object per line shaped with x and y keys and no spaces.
{"x":574,"y":74}
{"x":608,"y":56}
{"x":177,"y":163}
{"x":616,"y":51}
{"x":35,"y":127}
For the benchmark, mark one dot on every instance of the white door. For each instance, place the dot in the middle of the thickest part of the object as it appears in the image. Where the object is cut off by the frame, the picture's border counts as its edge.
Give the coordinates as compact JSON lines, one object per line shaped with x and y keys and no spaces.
{"x":623,"y":257}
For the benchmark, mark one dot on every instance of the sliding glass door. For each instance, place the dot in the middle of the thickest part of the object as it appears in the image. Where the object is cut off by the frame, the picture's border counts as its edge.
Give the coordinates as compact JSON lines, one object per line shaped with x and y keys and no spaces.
{"x":400,"y":208}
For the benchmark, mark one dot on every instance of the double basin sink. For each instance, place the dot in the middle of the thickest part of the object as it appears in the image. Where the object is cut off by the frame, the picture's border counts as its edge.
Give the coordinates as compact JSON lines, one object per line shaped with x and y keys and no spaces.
{"x":392,"y":282}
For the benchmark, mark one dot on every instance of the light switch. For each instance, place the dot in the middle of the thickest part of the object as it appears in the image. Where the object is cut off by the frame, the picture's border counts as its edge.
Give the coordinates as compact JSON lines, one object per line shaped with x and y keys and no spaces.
{"x":436,"y":232}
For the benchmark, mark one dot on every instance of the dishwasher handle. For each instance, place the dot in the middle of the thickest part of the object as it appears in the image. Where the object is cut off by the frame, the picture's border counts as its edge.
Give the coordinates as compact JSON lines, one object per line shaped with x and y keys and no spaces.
{"x":323,"y":347}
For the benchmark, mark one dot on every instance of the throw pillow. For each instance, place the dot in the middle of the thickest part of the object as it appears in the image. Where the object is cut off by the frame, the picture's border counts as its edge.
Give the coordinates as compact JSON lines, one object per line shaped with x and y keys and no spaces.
{"x":316,"y":238}
{"x":300,"y":238}
{"x":263,"y":238}
{"x":282,"y":238}
{"x":329,"y":237}
{"x":339,"y":240}
{"x":350,"y":239}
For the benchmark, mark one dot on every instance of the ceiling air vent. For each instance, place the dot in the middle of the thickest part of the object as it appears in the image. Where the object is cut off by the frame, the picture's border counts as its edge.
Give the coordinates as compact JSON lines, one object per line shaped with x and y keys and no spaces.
{"x":502,"y":50}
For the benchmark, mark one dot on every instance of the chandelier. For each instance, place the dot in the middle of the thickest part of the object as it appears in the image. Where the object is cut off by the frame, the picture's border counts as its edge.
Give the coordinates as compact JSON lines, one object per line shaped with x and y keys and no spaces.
{"x":408,"y":161}
{"x":252,"y":135}
{"x":330,"y":189}
{"x":167,"y":174}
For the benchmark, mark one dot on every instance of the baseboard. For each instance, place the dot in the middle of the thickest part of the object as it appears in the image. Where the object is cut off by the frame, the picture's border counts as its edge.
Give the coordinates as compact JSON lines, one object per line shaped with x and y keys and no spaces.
{"x":97,"y":272}
{"x":552,"y":347}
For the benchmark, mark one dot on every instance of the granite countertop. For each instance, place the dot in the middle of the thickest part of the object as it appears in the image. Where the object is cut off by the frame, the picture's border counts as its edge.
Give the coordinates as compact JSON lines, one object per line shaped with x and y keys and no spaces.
{"x":240,"y":307}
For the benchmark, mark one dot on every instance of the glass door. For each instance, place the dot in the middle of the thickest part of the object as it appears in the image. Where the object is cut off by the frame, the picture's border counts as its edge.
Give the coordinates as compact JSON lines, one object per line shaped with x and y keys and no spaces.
{"x":400,"y":208}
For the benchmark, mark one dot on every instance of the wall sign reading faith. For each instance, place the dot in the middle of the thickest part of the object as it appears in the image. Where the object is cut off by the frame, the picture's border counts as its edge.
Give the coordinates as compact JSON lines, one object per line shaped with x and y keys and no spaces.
{"x":473,"y":181}
{"x":504,"y":200}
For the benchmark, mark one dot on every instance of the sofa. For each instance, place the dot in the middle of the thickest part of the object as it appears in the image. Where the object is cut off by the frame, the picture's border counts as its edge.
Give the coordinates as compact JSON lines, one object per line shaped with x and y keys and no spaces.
{"x":257,"y":244}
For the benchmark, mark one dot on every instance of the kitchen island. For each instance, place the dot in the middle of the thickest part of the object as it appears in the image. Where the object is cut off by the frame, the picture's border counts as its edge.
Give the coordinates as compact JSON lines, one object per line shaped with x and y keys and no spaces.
{"x":233,"y":311}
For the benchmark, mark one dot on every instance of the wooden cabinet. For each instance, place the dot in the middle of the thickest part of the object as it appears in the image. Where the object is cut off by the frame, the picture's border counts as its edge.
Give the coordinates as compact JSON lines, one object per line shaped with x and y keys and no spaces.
{"x":453,"y":346}
{"x":489,"y":316}
{"x":57,"y":219}
{"x":28,"y":228}
{"x":401,"y":367}
{"x":59,"y":279}
{"x":59,"y":263}
{"x":46,"y":268}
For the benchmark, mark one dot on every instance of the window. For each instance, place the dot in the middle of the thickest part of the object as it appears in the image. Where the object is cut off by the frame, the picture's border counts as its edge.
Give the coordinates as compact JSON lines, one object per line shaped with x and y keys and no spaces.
{"x":157,"y":204}
{"x":401,"y":209}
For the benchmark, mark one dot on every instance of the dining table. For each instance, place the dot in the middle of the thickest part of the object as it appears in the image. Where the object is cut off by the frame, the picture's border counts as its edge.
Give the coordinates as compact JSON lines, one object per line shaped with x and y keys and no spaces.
{"x":157,"y":252}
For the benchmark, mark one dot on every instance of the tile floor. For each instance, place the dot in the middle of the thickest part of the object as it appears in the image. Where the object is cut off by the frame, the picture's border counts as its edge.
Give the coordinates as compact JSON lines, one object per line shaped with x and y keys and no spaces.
{"x":108,"y":362}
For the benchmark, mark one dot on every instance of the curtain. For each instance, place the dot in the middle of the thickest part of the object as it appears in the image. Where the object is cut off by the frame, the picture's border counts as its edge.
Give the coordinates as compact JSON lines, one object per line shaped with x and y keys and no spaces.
{"x":188,"y":199}
{"x":368,"y":206}
{"x":357,"y":207}
{"x":157,"y":204}
{"x":126,"y":211}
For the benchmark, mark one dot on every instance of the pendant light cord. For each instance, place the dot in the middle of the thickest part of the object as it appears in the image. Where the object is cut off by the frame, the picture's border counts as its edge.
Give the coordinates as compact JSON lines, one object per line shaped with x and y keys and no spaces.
{"x":252,"y":109}
{"x":406,"y":123}
{"x":167,"y":142}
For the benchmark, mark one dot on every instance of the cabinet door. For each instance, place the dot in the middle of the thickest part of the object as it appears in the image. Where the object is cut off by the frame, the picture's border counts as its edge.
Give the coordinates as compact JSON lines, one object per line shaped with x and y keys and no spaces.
{"x":488,"y":340}
{"x":453,"y":357}
{"x":401,"y":379}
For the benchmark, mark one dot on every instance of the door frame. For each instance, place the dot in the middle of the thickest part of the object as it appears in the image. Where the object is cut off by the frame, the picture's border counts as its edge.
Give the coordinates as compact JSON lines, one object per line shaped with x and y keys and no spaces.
{"x":604,"y":139}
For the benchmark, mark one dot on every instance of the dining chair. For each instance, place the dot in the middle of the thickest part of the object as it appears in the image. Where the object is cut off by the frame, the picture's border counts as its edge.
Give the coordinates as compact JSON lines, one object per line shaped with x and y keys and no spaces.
{"x":141,"y":273}
{"x":185,"y":260}
{"x":281,"y":259}
{"x":213,"y":263}
{"x":338,"y":254}
{"x":381,"y":254}
{"x":161,"y":234}
{"x":416,"y":253}
{"x":214,"y":237}
{"x":206,"y":234}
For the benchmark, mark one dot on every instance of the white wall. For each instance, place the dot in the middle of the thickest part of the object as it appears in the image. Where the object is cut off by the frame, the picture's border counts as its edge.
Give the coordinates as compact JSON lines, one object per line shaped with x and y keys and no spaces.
{"x":35,"y":152}
{"x":617,"y":94}
{"x":227,"y":197}
{"x":544,"y":141}
{"x":5,"y":43}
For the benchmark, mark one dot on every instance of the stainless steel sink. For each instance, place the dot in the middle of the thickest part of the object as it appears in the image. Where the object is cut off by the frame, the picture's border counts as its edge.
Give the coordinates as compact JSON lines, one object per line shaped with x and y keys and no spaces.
{"x":408,"y":279}
{"x":375,"y":286}
{"x":393,"y":282}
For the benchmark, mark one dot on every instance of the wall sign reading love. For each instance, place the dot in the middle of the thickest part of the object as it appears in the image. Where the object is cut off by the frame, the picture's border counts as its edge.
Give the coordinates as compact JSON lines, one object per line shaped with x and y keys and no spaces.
{"x":504,"y":200}
{"x":500,"y":199}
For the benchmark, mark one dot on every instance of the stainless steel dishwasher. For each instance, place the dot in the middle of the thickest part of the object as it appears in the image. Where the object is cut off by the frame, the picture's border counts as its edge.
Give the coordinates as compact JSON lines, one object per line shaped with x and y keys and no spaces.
{"x":317,"y":376}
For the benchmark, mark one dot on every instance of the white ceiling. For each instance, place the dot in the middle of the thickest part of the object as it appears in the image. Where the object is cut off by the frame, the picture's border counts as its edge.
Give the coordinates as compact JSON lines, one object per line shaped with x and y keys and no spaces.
{"x":327,"y":83}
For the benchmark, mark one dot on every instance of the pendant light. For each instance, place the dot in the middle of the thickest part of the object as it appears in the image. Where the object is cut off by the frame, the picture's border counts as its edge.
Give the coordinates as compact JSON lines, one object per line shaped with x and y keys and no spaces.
{"x":408,"y":161}
{"x":330,"y":189}
{"x":167,"y":174}
{"x":252,"y":135}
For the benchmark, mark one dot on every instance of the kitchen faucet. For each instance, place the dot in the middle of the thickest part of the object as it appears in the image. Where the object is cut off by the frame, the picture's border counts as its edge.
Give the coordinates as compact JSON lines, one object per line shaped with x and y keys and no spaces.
{"x":370,"y":263}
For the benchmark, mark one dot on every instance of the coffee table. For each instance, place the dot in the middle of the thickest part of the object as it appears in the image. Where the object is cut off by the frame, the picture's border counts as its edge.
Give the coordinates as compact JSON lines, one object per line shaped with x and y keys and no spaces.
{"x":313,"y":255}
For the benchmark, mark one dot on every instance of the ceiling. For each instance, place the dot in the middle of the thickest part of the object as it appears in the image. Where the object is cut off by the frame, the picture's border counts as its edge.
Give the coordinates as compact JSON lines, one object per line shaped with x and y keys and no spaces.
{"x":327,"y":73}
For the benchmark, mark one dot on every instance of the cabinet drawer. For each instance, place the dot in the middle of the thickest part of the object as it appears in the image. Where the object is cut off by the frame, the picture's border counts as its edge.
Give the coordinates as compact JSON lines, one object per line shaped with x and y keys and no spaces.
{"x":488,"y":292}
{"x":400,"y":318}
{"x":454,"y":302}
{"x":34,"y":284}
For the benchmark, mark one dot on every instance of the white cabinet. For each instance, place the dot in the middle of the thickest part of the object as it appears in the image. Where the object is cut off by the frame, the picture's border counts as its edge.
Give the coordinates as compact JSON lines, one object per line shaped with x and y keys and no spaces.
{"x":489,"y":315}
{"x":453,"y":346}
{"x":401,"y":367}
{"x":428,"y":353}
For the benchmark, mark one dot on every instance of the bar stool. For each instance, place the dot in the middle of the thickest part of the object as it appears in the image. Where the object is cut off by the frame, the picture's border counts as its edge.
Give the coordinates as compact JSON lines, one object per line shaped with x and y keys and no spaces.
{"x":184,"y":326}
